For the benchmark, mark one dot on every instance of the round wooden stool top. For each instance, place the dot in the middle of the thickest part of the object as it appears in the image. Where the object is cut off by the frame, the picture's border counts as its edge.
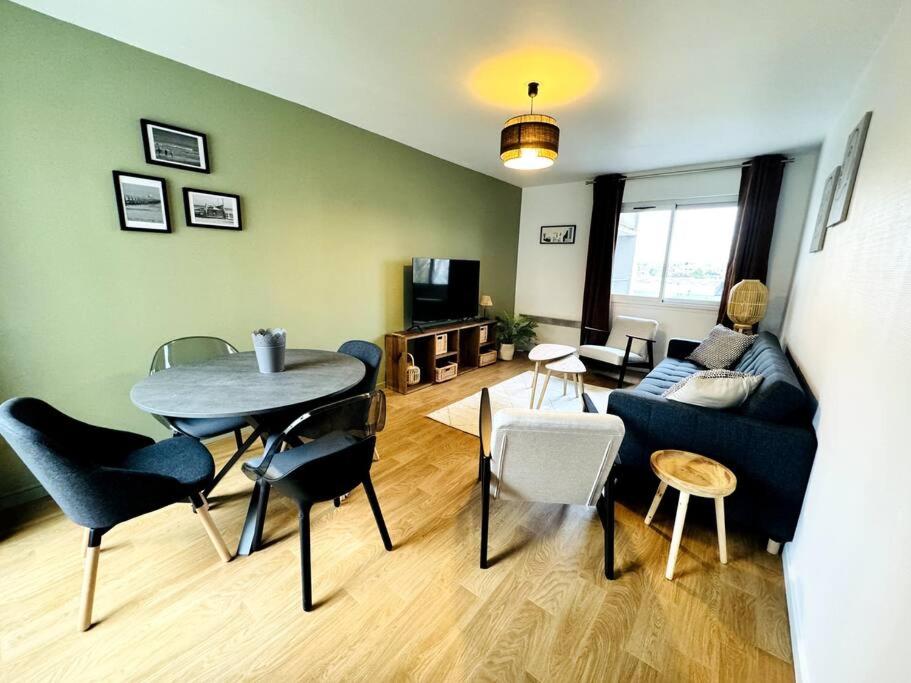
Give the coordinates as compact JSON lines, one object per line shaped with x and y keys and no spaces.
{"x":694,"y":474}
{"x":570,"y":364}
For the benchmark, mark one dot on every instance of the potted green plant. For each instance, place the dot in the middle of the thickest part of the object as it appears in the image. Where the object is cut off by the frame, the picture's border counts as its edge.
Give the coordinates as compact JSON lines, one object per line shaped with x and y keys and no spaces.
{"x":514,"y":331}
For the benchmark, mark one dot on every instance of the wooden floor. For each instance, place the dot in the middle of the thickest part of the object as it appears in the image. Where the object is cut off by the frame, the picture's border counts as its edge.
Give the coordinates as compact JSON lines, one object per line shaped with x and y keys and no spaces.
{"x":167,"y":609}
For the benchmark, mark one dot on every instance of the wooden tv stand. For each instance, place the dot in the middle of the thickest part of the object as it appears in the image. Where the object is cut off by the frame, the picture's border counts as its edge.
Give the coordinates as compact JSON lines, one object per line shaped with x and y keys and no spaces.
{"x":463,"y":346}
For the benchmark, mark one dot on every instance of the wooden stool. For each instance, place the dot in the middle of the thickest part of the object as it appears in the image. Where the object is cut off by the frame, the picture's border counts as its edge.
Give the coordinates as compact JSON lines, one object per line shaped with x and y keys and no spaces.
{"x":571,"y":365}
{"x":541,"y":354}
{"x":692,"y":475}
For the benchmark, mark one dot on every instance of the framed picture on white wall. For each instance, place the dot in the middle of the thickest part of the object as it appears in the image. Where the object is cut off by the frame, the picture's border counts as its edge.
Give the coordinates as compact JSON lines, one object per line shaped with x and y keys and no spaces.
{"x":825,"y":205}
{"x":844,"y":188}
{"x":558,"y":234}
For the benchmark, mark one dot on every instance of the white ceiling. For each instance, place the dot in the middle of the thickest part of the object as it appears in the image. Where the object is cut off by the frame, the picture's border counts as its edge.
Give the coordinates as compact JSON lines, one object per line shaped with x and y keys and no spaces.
{"x":658,"y":83}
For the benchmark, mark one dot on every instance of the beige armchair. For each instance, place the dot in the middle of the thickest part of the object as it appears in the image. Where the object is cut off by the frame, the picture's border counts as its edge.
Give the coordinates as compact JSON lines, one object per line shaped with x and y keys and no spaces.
{"x":630,"y":344}
{"x":549,"y":457}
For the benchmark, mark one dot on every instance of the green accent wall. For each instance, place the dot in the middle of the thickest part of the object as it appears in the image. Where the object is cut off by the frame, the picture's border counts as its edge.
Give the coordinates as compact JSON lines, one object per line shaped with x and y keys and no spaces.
{"x":332,"y":214}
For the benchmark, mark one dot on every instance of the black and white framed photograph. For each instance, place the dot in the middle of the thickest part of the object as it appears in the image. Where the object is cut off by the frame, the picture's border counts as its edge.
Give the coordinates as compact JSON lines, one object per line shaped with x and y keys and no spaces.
{"x":854,"y":149}
{"x":558,"y":234}
{"x":208,"y":209}
{"x":142,"y":202}
{"x":168,"y":145}
{"x":825,"y":205}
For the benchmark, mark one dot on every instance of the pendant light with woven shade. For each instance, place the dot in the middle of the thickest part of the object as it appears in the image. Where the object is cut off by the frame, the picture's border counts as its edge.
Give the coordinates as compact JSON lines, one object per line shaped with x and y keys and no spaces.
{"x":530,"y":141}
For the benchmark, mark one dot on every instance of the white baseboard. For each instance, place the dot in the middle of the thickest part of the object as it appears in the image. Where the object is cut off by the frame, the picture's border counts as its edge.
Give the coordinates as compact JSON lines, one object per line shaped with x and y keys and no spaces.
{"x":28,"y":494}
{"x":795,"y":616}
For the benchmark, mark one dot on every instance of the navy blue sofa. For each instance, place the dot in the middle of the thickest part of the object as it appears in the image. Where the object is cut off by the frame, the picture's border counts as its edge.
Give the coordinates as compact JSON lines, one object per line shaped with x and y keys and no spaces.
{"x":768,"y":442}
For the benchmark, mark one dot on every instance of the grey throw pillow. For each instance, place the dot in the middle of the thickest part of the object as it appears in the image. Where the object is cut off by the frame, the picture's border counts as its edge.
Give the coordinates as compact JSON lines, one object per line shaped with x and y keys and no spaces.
{"x":722,"y":348}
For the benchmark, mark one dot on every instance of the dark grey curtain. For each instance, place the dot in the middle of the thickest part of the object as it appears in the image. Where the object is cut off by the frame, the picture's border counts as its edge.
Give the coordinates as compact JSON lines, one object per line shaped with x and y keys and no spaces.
{"x":760,"y":185}
{"x":608,"y":197}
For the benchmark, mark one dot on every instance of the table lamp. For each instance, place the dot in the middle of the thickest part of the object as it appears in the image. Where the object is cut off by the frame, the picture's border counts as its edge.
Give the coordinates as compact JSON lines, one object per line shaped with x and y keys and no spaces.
{"x":485,"y":303}
{"x":747,"y":304}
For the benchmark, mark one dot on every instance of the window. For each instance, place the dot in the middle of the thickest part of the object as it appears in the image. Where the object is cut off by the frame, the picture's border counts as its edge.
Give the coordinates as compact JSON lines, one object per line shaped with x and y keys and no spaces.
{"x":674,"y":252}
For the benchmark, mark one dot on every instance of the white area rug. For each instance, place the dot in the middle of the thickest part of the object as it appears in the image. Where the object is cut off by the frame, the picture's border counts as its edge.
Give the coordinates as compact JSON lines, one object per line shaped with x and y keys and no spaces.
{"x":514,"y":393}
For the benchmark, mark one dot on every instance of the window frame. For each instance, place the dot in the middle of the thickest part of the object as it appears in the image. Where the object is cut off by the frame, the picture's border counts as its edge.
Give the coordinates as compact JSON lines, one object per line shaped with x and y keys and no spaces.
{"x":672,"y":205}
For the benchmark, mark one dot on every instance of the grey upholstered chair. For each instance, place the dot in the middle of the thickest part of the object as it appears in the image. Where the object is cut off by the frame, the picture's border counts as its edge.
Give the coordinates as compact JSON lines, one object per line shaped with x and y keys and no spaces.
{"x":187,"y":350}
{"x":549,"y":457}
{"x":101,"y":477}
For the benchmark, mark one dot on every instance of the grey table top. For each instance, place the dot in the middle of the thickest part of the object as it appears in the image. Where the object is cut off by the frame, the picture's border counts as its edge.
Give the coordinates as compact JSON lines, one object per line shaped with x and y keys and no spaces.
{"x":233,"y":386}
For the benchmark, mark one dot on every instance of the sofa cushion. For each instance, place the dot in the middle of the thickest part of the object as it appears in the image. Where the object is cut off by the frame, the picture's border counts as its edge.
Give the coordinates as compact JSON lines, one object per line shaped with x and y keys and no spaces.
{"x":665,"y":375}
{"x":780,"y":397}
{"x":718,"y":389}
{"x":722,"y":348}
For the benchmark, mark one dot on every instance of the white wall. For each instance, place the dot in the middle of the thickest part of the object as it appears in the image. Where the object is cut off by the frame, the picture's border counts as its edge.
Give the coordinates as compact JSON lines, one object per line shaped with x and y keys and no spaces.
{"x":848,"y":325}
{"x":551,"y":278}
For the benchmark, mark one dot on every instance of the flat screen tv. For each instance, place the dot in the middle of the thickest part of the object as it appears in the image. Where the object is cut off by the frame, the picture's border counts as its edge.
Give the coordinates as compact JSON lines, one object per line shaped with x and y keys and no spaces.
{"x":444,"y":290}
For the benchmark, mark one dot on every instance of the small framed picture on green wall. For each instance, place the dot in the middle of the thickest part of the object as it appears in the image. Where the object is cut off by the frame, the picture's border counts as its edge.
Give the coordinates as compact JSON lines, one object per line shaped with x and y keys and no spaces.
{"x":142,"y":202}
{"x":208,"y":209}
{"x":168,"y":145}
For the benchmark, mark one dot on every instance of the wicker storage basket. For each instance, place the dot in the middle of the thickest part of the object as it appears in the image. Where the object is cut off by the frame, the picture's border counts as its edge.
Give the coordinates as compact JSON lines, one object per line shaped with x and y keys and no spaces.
{"x":447,"y":372}
{"x":487,"y":358}
{"x":483,"y":330}
{"x":442,"y":344}
{"x":413,"y":372}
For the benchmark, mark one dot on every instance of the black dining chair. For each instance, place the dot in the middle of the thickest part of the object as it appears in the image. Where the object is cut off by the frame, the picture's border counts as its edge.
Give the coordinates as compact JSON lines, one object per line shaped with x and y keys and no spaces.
{"x":187,"y":350}
{"x":371,"y":356}
{"x":319,"y":424}
{"x":101,"y":477}
{"x":327,"y":467}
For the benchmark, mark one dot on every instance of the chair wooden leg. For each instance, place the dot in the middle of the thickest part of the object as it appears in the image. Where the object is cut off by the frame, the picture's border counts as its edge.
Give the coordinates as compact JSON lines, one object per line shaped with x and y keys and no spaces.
{"x":377,"y":513}
{"x":662,"y":487}
{"x":581,"y":385}
{"x":544,"y":389}
{"x":678,"y":535}
{"x":485,"y":510}
{"x":238,"y":439}
{"x":201,"y":506}
{"x":306,"y":579}
{"x":337,"y":502}
{"x":576,"y":384}
{"x":89,"y":576}
{"x":534,"y":385}
{"x":85,"y":540}
{"x":376,"y":454}
{"x":622,"y":375}
{"x":722,"y":537}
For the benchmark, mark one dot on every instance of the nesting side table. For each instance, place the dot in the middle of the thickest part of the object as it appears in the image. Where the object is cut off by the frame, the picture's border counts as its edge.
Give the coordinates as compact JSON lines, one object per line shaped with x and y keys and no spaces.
{"x":541,"y":354}
{"x":569,"y":367}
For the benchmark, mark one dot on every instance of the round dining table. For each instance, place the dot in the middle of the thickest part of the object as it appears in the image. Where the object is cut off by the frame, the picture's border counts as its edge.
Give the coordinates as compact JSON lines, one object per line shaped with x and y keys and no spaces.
{"x":232,"y":386}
